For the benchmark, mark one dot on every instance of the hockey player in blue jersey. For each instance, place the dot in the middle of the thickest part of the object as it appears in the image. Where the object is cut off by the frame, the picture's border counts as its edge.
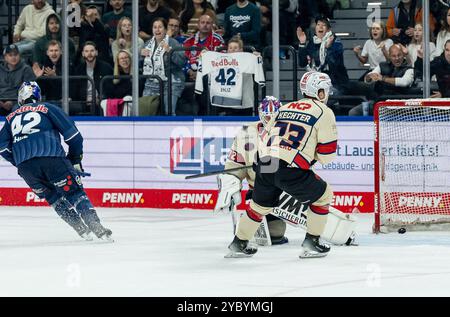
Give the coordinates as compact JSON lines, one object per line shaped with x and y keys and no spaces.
{"x":30,"y":140}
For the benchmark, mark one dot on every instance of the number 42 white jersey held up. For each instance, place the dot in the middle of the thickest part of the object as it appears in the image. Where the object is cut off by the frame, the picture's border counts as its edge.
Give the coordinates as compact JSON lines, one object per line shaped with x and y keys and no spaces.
{"x":226,"y":72}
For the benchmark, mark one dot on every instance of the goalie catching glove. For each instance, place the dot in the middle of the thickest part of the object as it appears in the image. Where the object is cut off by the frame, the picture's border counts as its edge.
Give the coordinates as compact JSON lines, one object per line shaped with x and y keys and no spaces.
{"x":229,"y":193}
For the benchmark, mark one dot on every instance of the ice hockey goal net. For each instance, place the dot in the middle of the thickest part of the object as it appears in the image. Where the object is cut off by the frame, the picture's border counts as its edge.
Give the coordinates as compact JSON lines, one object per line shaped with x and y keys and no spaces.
{"x":412,"y":165}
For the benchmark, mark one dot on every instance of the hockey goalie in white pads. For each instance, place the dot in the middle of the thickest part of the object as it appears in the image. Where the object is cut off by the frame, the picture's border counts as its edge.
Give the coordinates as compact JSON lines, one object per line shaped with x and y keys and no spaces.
{"x":340,"y":227}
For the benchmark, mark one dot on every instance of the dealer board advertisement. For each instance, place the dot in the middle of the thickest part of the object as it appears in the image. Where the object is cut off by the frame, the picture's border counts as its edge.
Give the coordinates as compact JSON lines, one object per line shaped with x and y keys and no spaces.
{"x":143,"y":163}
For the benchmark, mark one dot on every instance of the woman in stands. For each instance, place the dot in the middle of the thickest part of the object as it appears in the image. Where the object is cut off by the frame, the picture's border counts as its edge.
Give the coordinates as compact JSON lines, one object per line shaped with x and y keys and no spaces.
{"x":417,"y":44}
{"x":118,"y":90}
{"x":376,"y":49}
{"x":193,"y":10}
{"x":444,"y":35}
{"x":324,"y":52}
{"x":156,"y":54}
{"x":124,"y":39}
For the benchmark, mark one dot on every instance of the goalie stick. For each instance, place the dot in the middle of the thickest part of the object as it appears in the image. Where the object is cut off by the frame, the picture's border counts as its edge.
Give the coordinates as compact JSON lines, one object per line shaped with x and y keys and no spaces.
{"x":217,"y":172}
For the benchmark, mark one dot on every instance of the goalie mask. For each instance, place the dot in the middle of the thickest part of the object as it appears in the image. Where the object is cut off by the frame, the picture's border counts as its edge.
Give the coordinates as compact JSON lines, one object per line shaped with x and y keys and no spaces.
{"x":268,"y":108}
{"x":29,"y":90}
{"x":312,"y":82}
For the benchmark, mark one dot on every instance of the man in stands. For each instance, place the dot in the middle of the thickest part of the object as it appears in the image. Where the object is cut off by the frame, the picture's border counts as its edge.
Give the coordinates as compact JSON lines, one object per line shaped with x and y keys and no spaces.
{"x":51,"y":67}
{"x":31,"y":24}
{"x":13,"y":72}
{"x":111,"y":19}
{"x":53,"y":32}
{"x":206,"y":39}
{"x":173,"y":29}
{"x":402,"y":18}
{"x":243,"y":18}
{"x":389,"y":78}
{"x":94,"y":68}
{"x":154,"y":9}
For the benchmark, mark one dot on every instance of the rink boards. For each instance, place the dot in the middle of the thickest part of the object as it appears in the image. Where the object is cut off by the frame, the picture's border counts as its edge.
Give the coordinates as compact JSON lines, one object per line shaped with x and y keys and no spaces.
{"x":142,"y":163}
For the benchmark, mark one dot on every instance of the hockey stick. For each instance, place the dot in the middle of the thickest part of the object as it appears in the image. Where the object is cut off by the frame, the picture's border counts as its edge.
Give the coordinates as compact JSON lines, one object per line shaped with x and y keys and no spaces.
{"x":217,"y":172}
{"x":84,"y":174}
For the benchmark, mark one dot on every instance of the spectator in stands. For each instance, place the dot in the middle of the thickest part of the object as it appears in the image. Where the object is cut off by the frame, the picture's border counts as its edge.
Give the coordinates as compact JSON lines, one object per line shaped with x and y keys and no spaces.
{"x":401,"y":21}
{"x":53,"y":32}
{"x":440,"y":66}
{"x":111,"y":19}
{"x":31,"y":24}
{"x":74,"y":31}
{"x":124,"y":39}
{"x":243,"y":18}
{"x":439,"y":10}
{"x":94,"y":68}
{"x":193,"y":10}
{"x":393,"y":77}
{"x":156,"y":62}
{"x":122,"y":66}
{"x":236,"y":45}
{"x":152,"y":10}
{"x":376,"y":49}
{"x":13,"y":72}
{"x":444,"y":33}
{"x":50,"y":67}
{"x":324,"y":53}
{"x":173,"y":29}
{"x":206,"y":39}
{"x":93,"y":30}
{"x":118,"y":91}
{"x":417,"y":44}
{"x":389,"y":78}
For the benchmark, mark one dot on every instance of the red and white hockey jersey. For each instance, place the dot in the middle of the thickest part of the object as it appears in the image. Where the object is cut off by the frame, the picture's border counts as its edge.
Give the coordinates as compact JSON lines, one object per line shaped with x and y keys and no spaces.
{"x":226,"y":72}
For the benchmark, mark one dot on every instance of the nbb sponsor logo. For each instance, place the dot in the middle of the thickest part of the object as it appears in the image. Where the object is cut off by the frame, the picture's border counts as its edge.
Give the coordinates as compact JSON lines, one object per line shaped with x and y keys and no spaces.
{"x":417,"y":201}
{"x":123,"y":198}
{"x":185,"y":198}
{"x":198,"y":155}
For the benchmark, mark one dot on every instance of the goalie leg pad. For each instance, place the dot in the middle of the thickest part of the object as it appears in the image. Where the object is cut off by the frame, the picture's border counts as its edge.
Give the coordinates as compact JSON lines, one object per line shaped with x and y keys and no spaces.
{"x":340,"y":227}
{"x":229,"y":192}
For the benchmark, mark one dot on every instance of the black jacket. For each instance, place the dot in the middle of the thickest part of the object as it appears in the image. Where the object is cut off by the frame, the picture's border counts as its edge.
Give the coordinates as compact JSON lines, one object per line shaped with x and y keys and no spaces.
{"x":441,"y":68}
{"x":79,"y":92}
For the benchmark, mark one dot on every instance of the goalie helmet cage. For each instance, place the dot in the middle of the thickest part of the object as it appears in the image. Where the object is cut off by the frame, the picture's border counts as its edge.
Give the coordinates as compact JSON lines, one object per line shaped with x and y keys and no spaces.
{"x":412,"y":165}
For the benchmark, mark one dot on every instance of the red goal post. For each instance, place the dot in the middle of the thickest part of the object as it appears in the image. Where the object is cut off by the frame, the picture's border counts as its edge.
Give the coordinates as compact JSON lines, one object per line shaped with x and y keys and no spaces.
{"x":412,"y":165}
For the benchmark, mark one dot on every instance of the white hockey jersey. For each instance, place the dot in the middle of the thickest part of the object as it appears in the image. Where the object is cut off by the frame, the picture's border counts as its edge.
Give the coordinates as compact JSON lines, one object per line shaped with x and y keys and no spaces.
{"x":226,"y":72}
{"x":302,"y":133}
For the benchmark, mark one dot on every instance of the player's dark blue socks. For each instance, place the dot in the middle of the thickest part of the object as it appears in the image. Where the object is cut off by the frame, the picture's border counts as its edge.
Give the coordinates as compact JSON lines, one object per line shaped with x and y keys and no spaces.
{"x":65,"y":210}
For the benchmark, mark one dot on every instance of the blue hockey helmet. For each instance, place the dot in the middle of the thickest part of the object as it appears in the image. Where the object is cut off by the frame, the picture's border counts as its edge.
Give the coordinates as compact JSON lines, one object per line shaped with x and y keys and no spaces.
{"x":268,"y":108}
{"x":29,"y":90}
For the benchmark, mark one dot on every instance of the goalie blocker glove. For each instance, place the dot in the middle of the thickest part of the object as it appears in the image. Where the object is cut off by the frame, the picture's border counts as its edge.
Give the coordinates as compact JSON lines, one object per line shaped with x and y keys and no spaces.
{"x":229,"y":193}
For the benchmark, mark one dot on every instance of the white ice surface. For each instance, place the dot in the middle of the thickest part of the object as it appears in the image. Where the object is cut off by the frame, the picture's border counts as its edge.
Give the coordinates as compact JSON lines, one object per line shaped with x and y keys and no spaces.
{"x":180,"y":253}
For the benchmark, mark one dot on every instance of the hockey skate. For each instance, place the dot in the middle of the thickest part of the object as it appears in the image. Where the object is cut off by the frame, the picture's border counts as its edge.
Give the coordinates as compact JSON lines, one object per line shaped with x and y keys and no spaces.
{"x":313,"y":248}
{"x":91,"y":219}
{"x":241,"y":249}
{"x":83,"y":231}
{"x":101,"y":232}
